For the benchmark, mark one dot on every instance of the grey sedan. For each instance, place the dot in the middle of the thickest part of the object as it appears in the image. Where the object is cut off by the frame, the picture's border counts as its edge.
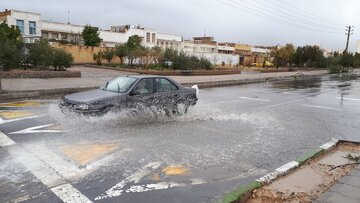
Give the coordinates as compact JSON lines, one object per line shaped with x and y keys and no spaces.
{"x":132,"y":91}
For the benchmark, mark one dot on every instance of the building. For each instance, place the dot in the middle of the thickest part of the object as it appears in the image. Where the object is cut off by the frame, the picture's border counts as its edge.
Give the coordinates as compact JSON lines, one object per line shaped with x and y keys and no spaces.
{"x":207,"y":47}
{"x":150,"y":37}
{"x":358,"y":47}
{"x":245,"y":54}
{"x":55,"y":31}
{"x":28,"y":23}
{"x":32,"y":27}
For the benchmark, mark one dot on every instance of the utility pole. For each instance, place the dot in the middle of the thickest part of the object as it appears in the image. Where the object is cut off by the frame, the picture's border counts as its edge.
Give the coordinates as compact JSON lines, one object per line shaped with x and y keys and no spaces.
{"x":349,"y":31}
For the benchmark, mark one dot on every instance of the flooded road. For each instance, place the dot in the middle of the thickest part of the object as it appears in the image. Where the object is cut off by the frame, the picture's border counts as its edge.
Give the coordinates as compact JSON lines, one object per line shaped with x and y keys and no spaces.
{"x":232,"y":136}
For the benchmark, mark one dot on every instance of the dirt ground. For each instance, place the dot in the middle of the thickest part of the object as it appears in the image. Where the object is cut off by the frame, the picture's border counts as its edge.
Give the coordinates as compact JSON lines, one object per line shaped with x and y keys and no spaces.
{"x":309,"y":181}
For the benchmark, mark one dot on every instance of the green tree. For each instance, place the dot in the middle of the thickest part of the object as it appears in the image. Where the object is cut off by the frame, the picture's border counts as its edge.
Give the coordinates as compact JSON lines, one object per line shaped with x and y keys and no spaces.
{"x":121,"y":52}
{"x":309,"y":56}
{"x":98,"y":57}
{"x":10,"y":47}
{"x":61,"y":59}
{"x":133,"y":45}
{"x":40,"y":54}
{"x":108,"y":54}
{"x":283,"y":55}
{"x":91,"y":36}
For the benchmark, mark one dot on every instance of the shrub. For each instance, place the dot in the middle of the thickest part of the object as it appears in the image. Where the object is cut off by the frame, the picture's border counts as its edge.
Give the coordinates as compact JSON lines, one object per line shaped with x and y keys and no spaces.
{"x":61,"y":59}
{"x":10,"y":56}
{"x":98,"y":57}
{"x":40,"y":54}
{"x":10,"y":47}
{"x":333,"y":69}
{"x":108,"y":55}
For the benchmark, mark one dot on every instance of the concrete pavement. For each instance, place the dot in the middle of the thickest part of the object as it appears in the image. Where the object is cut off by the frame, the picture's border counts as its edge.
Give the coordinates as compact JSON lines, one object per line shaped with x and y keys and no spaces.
{"x":346,"y":190}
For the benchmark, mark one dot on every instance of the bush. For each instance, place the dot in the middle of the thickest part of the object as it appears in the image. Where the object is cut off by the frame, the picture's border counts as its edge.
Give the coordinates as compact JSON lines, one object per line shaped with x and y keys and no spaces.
{"x":61,"y":59}
{"x":98,"y":57}
{"x":108,"y":55}
{"x":334,"y":69}
{"x":10,"y":47}
{"x":10,"y":55}
{"x":40,"y":54}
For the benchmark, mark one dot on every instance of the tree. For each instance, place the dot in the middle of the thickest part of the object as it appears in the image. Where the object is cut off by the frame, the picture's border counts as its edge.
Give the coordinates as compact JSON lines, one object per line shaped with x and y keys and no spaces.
{"x":133,"y":44}
{"x":121,"y":52}
{"x":40,"y":54}
{"x":283,"y":55}
{"x":309,"y":56}
{"x":98,"y":57}
{"x":108,"y":54}
{"x":61,"y":59}
{"x":10,"y":47}
{"x":91,"y":36}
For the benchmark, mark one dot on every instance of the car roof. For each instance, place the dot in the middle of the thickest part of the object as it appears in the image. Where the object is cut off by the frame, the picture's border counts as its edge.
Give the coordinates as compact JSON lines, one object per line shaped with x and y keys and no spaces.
{"x":145,"y":76}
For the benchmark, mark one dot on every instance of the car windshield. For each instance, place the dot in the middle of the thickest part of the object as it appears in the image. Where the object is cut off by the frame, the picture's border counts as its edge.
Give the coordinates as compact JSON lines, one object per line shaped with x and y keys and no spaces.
{"x":119,"y":84}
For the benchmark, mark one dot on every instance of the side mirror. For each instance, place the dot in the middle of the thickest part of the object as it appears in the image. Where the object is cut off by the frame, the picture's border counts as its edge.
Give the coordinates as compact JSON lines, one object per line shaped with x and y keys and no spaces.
{"x":133,"y":93}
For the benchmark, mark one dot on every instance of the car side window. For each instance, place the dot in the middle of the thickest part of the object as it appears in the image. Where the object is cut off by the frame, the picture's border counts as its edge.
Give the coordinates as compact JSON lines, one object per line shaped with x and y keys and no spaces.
{"x":144,"y":86}
{"x":164,"y":85}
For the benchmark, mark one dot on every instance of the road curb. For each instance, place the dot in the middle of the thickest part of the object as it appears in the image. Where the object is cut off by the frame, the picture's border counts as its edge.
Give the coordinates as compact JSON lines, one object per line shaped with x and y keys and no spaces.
{"x":242,"y":193}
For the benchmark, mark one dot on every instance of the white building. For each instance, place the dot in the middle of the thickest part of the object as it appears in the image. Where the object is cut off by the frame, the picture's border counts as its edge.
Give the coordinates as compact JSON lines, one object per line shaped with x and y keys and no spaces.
{"x":27,"y":22}
{"x":32,"y":27}
{"x":358,"y":47}
{"x":150,"y":37}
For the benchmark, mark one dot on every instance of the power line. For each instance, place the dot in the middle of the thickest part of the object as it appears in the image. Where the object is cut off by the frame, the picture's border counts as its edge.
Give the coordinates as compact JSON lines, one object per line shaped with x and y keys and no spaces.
{"x":298,"y":15}
{"x":270,"y":17}
{"x":307,"y":13}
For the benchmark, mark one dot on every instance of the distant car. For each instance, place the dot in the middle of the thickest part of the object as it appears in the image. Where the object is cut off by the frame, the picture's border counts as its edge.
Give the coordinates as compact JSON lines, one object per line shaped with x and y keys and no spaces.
{"x":132,"y":91}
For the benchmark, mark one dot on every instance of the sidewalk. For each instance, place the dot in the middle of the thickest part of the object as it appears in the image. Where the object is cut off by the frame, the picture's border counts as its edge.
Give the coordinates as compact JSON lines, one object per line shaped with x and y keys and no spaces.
{"x":346,"y":190}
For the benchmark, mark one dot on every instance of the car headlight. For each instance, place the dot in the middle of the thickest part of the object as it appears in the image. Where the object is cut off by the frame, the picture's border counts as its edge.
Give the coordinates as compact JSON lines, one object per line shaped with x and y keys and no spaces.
{"x":81,"y":106}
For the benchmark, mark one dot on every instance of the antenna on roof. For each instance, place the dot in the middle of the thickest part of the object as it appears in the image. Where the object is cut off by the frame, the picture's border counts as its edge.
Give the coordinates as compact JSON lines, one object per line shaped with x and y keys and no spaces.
{"x":68,"y":17}
{"x":205,"y":31}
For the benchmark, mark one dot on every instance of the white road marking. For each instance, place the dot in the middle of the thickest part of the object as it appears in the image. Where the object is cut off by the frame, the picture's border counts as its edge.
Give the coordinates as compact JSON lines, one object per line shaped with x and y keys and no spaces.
{"x":19,"y":119}
{"x":150,"y":187}
{"x":5,"y":141}
{"x":350,"y":99}
{"x":48,"y":176}
{"x":321,"y":107}
{"x":255,"y":99}
{"x":117,"y":190}
{"x":36,"y":129}
{"x":69,"y":194}
{"x":67,"y":169}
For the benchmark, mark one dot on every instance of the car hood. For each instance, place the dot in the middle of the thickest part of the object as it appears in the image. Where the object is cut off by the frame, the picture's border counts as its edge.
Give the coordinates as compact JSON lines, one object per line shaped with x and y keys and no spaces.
{"x":90,"y":96}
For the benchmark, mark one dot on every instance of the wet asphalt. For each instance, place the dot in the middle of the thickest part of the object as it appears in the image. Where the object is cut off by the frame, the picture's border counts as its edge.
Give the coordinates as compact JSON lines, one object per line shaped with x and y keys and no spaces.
{"x":232,"y":136}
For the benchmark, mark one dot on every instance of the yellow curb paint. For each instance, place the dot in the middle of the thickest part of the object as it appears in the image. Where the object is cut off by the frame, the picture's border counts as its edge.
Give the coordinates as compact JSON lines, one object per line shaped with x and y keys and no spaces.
{"x":21,"y":104}
{"x":84,"y":154}
{"x":155,"y":177}
{"x":14,"y":114}
{"x":175,"y":170}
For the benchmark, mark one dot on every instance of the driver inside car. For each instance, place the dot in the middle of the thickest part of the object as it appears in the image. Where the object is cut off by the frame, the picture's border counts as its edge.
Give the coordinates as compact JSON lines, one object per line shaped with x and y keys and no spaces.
{"x":141,"y":87}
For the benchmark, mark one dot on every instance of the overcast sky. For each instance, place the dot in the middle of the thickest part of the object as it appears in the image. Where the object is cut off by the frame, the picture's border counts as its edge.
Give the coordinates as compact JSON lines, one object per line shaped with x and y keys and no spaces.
{"x":256,"y":22}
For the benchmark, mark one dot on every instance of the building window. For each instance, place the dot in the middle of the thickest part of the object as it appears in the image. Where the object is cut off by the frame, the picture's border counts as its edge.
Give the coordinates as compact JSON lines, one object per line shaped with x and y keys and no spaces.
{"x":20,"y":26}
{"x":148,"y":37}
{"x":32,"y":28}
{"x":45,"y":35}
{"x":153,"y":37}
{"x":54,"y":36}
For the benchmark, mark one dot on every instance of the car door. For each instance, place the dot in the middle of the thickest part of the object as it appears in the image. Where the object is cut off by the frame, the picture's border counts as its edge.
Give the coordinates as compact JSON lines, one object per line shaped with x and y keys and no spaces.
{"x":142,"y":94}
{"x":167,"y":93}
